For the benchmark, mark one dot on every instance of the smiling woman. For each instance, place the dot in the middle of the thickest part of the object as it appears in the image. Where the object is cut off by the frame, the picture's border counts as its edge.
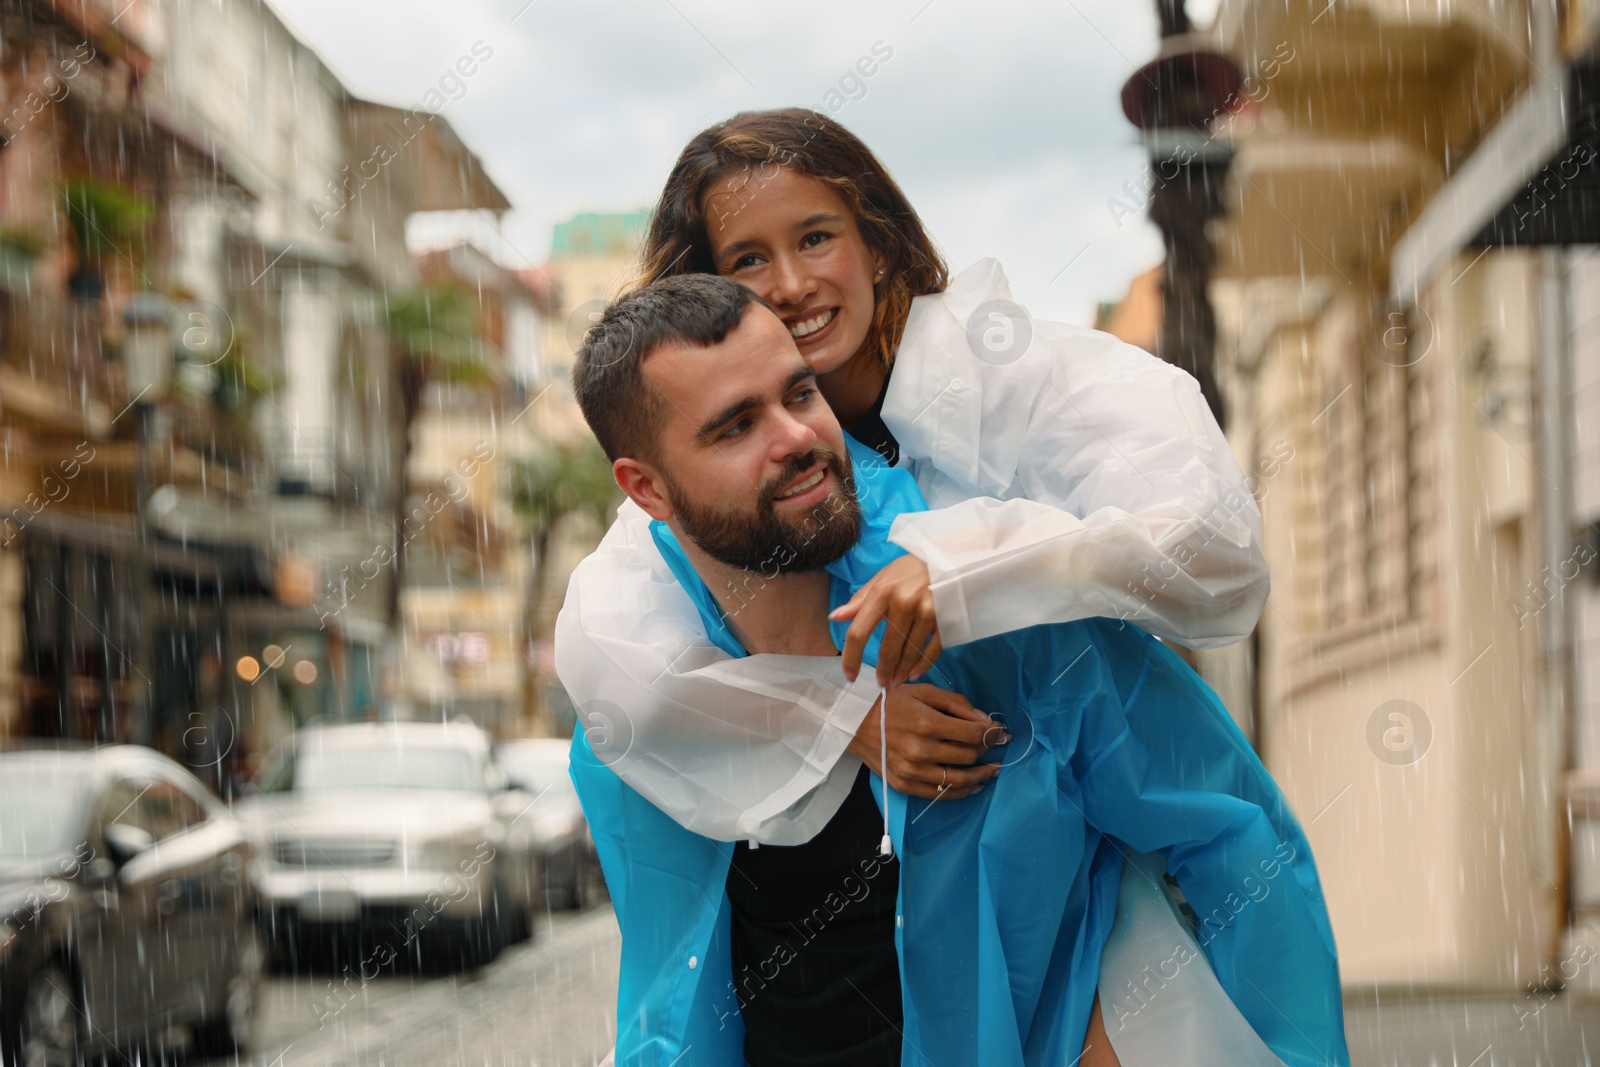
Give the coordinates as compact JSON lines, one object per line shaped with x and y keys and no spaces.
{"x":845,"y":212}
{"x":1068,"y":476}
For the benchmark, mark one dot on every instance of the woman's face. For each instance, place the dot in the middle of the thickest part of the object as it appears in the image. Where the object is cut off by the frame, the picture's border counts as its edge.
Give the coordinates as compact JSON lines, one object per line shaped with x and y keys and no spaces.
{"x":793,"y":240}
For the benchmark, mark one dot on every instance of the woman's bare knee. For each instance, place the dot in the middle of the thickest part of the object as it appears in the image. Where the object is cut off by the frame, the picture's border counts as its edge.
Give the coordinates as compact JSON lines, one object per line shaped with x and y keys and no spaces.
{"x":1097,"y":1050}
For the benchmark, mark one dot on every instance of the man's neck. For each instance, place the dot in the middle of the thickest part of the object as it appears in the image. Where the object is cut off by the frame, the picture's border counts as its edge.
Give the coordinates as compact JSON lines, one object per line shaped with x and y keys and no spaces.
{"x":783,"y":613}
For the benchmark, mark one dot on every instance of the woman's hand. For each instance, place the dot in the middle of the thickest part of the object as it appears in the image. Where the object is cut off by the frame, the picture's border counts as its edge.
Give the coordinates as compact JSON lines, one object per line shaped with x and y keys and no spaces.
{"x":900,"y":594}
{"x":934,"y":738}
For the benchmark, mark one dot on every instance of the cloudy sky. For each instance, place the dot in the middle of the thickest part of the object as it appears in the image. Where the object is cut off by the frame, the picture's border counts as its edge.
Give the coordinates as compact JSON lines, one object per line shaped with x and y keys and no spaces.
{"x":1000,"y":119}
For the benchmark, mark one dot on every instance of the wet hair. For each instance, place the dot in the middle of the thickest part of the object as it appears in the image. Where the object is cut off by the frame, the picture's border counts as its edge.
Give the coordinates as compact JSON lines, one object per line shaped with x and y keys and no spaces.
{"x":624,"y":410}
{"x":807,"y":142}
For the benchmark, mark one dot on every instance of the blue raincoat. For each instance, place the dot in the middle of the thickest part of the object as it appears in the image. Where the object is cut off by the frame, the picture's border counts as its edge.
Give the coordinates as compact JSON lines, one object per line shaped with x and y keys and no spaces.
{"x":1006,"y":897}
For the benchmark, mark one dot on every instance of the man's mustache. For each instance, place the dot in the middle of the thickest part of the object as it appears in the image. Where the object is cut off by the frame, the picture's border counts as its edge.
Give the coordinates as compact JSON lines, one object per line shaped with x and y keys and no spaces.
{"x":798,"y":466}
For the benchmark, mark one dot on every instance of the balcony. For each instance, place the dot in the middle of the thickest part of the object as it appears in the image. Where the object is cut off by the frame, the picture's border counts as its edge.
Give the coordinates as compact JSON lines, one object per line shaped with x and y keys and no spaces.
{"x":1353,"y":114}
{"x":54,"y":377}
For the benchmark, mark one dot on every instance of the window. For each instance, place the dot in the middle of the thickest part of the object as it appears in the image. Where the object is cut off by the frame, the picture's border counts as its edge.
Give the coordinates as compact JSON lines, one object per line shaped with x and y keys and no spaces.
{"x":156,"y":805}
{"x":123,"y":805}
{"x":1378,"y":500}
{"x":171,"y":808}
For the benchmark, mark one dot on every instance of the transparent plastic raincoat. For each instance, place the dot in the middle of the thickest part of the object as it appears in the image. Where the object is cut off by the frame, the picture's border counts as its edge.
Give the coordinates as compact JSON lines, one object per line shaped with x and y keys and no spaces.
{"x":1073,"y":476}
{"x":1007,"y":898}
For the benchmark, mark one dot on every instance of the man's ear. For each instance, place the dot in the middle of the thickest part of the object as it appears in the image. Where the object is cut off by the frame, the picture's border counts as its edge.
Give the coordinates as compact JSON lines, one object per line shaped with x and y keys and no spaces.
{"x":643,"y":485}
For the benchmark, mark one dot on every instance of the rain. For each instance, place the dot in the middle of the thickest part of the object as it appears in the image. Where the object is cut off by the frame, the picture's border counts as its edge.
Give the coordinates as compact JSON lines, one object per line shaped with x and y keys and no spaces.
{"x":683,"y":532}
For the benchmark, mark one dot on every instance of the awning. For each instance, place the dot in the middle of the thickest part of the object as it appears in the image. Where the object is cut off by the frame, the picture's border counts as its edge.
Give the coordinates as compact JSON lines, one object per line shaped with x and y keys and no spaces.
{"x":236,"y":568}
{"x":1560,"y":203}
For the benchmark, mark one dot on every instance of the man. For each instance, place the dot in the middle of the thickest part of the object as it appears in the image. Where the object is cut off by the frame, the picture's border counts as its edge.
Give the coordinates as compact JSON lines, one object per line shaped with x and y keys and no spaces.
{"x":806,"y":516}
{"x":717,"y":431}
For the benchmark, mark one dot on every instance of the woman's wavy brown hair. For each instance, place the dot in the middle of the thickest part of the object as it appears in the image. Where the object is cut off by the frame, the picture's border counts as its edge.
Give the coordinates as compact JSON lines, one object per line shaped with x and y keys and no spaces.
{"x":679,"y":239}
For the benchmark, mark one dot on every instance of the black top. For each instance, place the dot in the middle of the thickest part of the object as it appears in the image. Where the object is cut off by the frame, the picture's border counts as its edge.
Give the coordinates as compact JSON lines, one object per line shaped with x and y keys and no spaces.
{"x":814,"y":962}
{"x":872,"y":432}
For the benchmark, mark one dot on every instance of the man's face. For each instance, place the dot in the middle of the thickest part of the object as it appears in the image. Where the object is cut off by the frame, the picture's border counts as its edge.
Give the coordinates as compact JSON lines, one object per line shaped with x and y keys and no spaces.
{"x":753,"y":460}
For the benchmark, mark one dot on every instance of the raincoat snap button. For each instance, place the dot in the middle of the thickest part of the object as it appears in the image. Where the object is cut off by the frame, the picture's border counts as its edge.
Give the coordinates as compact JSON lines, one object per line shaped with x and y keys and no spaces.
{"x":693,"y":962}
{"x":956,"y":385}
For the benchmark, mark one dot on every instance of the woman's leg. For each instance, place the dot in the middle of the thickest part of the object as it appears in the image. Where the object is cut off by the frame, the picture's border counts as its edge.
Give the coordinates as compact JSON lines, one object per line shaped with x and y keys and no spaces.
{"x":1097,"y":1050}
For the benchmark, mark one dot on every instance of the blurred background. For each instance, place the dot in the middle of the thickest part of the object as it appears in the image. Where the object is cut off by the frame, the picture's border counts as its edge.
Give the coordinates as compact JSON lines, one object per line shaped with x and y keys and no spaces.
{"x":289,"y":293}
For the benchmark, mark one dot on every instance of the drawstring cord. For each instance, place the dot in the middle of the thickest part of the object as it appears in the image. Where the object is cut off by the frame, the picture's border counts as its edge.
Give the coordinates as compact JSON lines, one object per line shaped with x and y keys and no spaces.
{"x":885,"y":847}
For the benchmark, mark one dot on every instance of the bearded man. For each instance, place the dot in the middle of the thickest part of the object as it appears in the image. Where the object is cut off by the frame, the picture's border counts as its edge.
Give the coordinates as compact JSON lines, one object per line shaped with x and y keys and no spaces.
{"x":976,"y":926}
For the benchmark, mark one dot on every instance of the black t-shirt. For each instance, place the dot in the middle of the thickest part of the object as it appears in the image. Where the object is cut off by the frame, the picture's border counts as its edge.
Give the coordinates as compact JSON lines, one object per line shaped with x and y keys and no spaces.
{"x":814,"y":963}
{"x":873,"y":432}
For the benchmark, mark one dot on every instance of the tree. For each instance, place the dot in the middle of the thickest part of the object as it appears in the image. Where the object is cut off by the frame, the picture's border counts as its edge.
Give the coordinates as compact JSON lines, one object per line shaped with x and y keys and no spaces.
{"x":433,"y":336}
{"x":559,"y":481}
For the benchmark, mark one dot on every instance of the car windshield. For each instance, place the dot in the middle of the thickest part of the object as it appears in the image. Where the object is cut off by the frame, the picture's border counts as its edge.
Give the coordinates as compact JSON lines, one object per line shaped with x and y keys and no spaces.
{"x":37,"y":819}
{"x":385,"y":768}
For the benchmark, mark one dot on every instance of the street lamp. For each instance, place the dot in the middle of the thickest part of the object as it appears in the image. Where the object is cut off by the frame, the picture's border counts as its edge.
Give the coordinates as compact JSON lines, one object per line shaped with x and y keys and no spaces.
{"x":147,"y":362}
{"x":147,"y":344}
{"x":1174,"y":100}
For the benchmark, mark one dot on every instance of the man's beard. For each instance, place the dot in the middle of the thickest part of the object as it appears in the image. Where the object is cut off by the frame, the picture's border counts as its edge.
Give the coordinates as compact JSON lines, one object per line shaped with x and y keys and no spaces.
{"x":765,"y":541}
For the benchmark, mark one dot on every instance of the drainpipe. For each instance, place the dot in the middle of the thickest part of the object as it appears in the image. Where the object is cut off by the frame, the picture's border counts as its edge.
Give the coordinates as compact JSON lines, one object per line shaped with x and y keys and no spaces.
{"x":1556,"y":545}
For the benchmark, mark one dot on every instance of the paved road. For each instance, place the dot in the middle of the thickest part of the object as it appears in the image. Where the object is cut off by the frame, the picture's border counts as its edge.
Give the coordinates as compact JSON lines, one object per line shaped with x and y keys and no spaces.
{"x":551,"y":1003}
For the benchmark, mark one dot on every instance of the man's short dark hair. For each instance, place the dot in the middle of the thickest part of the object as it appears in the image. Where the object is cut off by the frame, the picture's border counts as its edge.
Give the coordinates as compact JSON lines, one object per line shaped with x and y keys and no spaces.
{"x":622,"y":409}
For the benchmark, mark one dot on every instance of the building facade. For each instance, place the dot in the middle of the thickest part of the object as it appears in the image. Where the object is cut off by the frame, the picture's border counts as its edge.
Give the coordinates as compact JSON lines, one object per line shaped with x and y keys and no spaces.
{"x":236,"y":179}
{"x":1411,"y":387}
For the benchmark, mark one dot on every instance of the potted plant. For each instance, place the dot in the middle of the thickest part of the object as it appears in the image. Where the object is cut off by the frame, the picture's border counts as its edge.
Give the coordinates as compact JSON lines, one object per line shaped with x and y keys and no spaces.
{"x":20,"y":246}
{"x":107,"y":220}
{"x":215,"y":411}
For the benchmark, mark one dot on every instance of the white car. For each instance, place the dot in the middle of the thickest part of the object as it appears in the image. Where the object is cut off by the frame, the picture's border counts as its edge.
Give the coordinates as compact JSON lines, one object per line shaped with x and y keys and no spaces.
{"x":539,"y":767}
{"x":408,"y":835}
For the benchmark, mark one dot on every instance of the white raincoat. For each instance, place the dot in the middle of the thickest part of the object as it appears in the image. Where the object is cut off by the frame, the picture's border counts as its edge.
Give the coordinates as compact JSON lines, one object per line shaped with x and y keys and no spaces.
{"x":1075,"y":478}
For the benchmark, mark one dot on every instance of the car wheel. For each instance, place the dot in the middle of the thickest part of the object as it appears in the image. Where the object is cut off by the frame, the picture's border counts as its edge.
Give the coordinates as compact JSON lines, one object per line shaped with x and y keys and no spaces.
{"x":518,"y":925}
{"x":516,"y":921}
{"x":590,"y":885}
{"x":234,"y":1029}
{"x":49,"y":1036}
{"x":474,"y":943}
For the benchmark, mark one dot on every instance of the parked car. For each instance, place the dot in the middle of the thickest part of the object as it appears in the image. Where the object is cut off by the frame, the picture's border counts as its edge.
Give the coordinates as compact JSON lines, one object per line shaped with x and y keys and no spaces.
{"x":572,"y":874}
{"x":125,"y":907}
{"x":401,"y":836}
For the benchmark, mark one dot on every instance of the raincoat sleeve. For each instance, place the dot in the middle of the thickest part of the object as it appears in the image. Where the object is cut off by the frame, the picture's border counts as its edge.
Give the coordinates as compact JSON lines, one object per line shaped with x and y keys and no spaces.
{"x":1104,"y":487}
{"x":731,"y":748}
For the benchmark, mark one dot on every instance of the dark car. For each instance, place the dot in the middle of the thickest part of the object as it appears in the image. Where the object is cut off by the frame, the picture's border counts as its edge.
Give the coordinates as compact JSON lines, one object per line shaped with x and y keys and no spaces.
{"x":125,"y":907}
{"x":538,"y":766}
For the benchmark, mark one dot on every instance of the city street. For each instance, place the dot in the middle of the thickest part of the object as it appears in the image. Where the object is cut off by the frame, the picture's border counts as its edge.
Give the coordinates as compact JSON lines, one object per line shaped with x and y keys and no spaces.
{"x":549,"y":1002}
{"x":441,"y":443}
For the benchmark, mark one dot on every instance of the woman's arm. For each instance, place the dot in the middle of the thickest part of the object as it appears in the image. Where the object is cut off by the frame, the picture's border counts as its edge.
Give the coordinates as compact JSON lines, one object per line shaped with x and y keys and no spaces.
{"x":730,"y":748}
{"x":757,"y":747}
{"x":1126,"y":502}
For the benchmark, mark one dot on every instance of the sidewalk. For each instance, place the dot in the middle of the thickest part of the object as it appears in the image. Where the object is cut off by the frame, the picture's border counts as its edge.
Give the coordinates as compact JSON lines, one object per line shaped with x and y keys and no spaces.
{"x":1435,"y":1030}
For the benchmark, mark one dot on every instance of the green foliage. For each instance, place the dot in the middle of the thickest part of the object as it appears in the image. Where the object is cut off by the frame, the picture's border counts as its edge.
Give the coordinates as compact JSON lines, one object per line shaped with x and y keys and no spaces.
{"x":217,"y":419}
{"x":105,"y":217}
{"x":437,"y":329}
{"x":563,"y":480}
{"x":241,"y":381}
{"x":23,"y":241}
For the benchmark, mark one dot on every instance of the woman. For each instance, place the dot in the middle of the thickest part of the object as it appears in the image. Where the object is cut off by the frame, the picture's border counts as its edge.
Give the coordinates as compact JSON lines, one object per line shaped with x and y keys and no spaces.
{"x":1071,"y":476}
